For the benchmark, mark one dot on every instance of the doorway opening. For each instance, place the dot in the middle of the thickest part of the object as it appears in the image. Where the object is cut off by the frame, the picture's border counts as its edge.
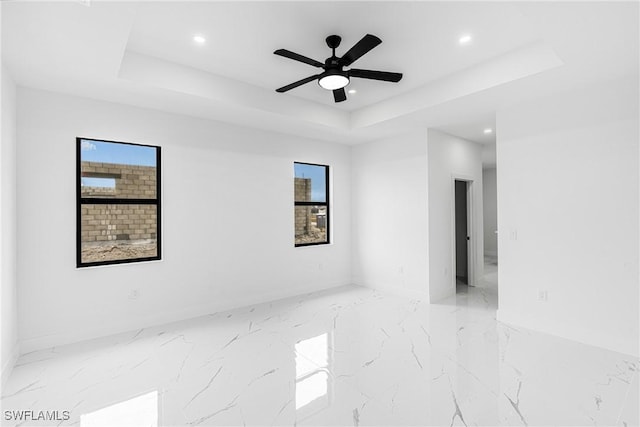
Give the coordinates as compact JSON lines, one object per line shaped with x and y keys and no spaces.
{"x":462,"y":235}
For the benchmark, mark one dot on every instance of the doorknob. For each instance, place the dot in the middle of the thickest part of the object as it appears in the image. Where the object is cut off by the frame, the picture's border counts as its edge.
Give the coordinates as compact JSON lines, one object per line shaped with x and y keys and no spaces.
{"x":468,"y":238}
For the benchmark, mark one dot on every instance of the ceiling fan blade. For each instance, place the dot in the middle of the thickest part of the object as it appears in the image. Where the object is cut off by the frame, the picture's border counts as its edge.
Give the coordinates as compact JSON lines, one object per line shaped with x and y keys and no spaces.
{"x":365,"y":44}
{"x":297,"y":57}
{"x":375,"y":75}
{"x":298,"y":83}
{"x":339,"y":95}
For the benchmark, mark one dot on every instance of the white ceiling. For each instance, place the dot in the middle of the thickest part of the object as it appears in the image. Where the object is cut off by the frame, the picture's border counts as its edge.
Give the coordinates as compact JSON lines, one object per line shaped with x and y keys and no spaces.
{"x":419,"y":39}
{"x":142,"y":53}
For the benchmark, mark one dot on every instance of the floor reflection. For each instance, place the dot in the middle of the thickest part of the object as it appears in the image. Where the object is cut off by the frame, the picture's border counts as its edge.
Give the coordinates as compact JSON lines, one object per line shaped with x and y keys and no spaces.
{"x":140,"y":411}
{"x":312,"y":375}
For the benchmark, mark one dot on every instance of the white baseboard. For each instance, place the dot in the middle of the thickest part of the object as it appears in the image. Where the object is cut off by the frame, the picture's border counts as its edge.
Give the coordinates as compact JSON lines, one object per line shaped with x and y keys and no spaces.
{"x":7,"y":368}
{"x":399,"y":291}
{"x":55,"y":340}
{"x":441,"y":293}
{"x":605,"y":341}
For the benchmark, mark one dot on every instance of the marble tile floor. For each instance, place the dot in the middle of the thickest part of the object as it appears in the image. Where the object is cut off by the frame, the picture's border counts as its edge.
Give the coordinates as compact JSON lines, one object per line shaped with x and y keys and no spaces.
{"x":350,"y":356}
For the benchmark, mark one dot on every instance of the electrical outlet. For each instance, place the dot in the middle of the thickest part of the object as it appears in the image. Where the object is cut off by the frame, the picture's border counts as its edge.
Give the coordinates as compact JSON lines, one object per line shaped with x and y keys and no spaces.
{"x":513,"y":234}
{"x":543,"y":296}
{"x":134,"y":294}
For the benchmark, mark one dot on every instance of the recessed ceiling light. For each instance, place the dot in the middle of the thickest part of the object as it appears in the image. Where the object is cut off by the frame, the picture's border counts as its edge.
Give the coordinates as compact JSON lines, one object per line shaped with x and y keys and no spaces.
{"x":199,"y":39}
{"x":464,"y":39}
{"x":488,"y":130}
{"x":352,"y":91}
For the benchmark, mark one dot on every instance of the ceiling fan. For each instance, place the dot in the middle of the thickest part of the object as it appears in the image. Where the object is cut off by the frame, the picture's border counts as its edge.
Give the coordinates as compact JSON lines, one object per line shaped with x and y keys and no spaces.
{"x":335,"y":77}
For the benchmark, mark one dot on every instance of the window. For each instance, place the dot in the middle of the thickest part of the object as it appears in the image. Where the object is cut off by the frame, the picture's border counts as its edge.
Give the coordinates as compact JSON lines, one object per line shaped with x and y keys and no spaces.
{"x":118,"y":202}
{"x":311,"y":200}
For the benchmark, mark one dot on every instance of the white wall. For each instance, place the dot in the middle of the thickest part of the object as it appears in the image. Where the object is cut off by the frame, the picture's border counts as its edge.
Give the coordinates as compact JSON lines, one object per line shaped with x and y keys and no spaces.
{"x":451,"y":158}
{"x":490,"y":211}
{"x":8,"y":291}
{"x":568,"y":215}
{"x":227,"y":221}
{"x":390,"y":215}
{"x":489,"y":155}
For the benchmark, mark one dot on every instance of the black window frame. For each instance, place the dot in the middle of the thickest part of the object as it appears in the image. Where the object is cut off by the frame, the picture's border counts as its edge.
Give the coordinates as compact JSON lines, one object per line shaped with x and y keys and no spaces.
{"x":80,"y":201}
{"x":312,"y":203}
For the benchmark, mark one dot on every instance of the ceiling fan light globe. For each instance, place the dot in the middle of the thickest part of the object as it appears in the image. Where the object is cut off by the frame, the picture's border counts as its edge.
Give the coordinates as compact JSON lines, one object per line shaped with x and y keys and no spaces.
{"x":333,"y":81}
